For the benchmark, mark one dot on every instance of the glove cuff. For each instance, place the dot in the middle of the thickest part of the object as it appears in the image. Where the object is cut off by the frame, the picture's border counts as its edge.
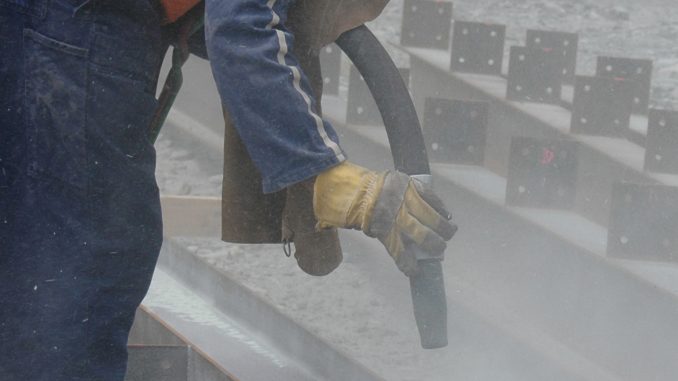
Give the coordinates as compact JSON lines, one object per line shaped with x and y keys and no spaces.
{"x":344,"y":196}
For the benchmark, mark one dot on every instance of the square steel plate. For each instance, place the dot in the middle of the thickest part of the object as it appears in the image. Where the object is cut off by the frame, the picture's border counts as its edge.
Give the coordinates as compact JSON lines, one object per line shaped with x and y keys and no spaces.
{"x":562,"y":42}
{"x":601,"y":106}
{"x":426,"y":24}
{"x":661,"y":147}
{"x":330,"y":64}
{"x":535,"y":75}
{"x":637,"y":70}
{"x":542,"y":173}
{"x":478,"y":47}
{"x":643,"y":222}
{"x":455,"y":130}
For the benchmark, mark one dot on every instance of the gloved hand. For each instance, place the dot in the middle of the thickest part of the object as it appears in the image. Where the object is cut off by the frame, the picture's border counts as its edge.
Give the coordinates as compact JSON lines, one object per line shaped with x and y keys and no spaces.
{"x":389,"y":206}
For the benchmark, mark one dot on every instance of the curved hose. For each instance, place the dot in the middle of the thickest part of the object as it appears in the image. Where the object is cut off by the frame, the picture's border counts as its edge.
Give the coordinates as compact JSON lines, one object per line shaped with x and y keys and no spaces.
{"x":409,"y":156}
{"x":392,"y":97}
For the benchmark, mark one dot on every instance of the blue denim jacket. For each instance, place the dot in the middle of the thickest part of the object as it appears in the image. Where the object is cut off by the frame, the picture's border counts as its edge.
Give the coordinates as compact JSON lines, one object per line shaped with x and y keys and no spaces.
{"x":267,"y":95}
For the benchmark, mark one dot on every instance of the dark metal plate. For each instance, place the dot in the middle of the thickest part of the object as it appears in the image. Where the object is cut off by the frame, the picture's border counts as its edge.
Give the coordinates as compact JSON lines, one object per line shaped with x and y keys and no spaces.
{"x":637,"y":70}
{"x":361,"y":108}
{"x":601,"y":106}
{"x":661,"y":147}
{"x":477,"y":47}
{"x":426,"y":24}
{"x":535,"y":75}
{"x":330,"y":63}
{"x":455,"y":130}
{"x":542,"y":173}
{"x":643,"y":222}
{"x":565,"y":44}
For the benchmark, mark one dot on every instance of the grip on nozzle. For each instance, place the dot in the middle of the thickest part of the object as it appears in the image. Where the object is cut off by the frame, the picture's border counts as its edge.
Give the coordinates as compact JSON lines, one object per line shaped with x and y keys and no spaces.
{"x":430,"y":303}
{"x":427,"y":286}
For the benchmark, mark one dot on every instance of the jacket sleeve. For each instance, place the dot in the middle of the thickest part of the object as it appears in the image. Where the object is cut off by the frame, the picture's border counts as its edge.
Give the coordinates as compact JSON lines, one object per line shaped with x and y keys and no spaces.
{"x":266,"y":93}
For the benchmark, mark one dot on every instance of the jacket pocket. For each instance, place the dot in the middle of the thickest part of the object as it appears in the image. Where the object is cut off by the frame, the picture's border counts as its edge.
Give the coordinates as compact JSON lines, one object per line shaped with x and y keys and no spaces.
{"x":55,"y":103}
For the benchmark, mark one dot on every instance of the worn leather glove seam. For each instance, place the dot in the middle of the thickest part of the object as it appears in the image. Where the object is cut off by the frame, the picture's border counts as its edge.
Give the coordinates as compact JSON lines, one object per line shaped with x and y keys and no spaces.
{"x":372,"y":190}
{"x":384,"y":213}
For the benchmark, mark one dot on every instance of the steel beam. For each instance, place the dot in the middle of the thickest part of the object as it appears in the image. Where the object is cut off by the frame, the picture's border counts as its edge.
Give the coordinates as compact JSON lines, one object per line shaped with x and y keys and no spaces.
{"x":550,"y":267}
{"x":603,"y":160}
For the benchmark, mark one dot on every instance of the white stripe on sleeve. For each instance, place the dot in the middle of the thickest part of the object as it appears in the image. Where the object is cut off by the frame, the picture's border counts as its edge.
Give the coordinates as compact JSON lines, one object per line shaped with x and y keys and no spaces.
{"x":296,"y":82}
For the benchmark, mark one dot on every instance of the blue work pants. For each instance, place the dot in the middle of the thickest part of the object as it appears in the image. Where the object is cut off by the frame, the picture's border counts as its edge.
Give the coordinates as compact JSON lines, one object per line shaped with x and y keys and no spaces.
{"x":80,"y":222}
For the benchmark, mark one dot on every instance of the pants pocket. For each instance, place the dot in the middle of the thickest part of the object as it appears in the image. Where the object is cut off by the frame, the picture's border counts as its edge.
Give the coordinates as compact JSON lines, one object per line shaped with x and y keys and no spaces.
{"x":36,"y":8}
{"x":55,"y":103}
{"x":119,"y":114}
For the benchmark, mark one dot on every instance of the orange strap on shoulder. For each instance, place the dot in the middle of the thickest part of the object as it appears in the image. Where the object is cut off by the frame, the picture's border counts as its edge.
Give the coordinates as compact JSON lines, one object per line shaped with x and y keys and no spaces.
{"x":177,"y":8}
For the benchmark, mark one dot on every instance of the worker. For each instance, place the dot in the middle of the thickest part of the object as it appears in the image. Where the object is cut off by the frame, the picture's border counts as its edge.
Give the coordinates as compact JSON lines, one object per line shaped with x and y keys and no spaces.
{"x":80,"y":222}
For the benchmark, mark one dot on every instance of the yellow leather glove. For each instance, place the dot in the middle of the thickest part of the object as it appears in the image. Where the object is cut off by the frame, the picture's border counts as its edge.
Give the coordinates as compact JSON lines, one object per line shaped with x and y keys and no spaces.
{"x":389,"y":206}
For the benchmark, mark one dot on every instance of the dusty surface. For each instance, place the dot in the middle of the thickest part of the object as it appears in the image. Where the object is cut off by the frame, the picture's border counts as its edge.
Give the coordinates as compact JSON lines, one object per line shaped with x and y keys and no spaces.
{"x":342,"y":308}
{"x":348,"y":308}
{"x":625,"y":28}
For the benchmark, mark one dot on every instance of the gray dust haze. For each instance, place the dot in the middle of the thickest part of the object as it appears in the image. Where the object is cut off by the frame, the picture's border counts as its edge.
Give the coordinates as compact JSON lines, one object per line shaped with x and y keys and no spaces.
{"x":564,"y":267}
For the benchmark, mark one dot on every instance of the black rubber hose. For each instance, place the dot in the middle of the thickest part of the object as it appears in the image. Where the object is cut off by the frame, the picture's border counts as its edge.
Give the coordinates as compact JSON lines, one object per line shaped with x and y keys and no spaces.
{"x":392,"y":98}
{"x":409,"y":156}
